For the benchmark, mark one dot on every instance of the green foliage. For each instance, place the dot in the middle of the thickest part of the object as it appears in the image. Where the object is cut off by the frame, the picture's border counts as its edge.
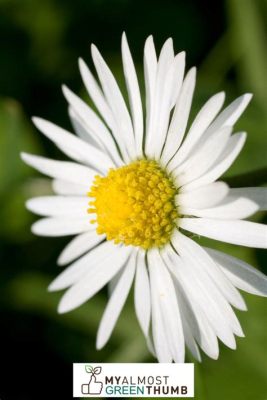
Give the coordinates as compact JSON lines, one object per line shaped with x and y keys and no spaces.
{"x":247,"y":25}
{"x":15,"y":135}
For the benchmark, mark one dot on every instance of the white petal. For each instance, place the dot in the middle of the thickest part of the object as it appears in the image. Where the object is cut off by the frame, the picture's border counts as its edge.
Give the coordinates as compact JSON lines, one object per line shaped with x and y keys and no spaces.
{"x":116,"y":303}
{"x":206,"y":265}
{"x":64,"y":188}
{"x":256,"y":194}
{"x":65,"y":170}
{"x":113,"y":282}
{"x":243,"y":233}
{"x":190,"y":341}
{"x":97,"y":277}
{"x":218,"y":289}
{"x":61,"y":226}
{"x":96,"y":95}
{"x":160,"y":339}
{"x":50,"y":206}
{"x":239,"y":208}
{"x":201,"y":160}
{"x":211,"y":302}
{"x":150,"y":73}
{"x":150,"y":346}
{"x":81,"y":130}
{"x":162,"y":101}
{"x":188,"y":332}
{"x":230,"y":114}
{"x":203,"y":197}
{"x":171,"y":79}
{"x":178,"y":76}
{"x":76,"y":271}
{"x":125,"y":135}
{"x":163,"y":113}
{"x":197,"y":328}
{"x":203,"y":119}
{"x":134,"y":95}
{"x":180,"y":117}
{"x":241,"y":274}
{"x":190,"y":305}
{"x":79,"y":246}
{"x":142,"y":293}
{"x":73,"y":146}
{"x":235,"y":145}
{"x":167,"y":301}
{"x":94,"y":126}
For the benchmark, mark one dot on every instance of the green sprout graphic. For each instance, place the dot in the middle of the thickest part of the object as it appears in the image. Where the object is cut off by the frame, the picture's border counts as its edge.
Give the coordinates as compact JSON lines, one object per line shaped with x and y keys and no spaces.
{"x":91,"y":370}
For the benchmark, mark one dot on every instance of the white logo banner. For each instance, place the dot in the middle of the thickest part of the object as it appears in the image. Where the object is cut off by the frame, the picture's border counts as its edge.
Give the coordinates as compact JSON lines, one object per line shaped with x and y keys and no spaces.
{"x":133,"y":380}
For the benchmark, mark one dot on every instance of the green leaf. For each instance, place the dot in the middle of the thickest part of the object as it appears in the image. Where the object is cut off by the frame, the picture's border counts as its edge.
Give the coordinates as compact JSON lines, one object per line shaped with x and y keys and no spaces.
{"x":16,"y":135}
{"x":89,"y":369}
{"x":247,"y":21}
{"x":97,"y":370}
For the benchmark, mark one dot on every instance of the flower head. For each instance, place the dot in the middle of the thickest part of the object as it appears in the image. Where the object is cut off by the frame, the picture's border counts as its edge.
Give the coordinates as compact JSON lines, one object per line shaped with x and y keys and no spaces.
{"x":135,"y":205}
{"x":139,"y":185}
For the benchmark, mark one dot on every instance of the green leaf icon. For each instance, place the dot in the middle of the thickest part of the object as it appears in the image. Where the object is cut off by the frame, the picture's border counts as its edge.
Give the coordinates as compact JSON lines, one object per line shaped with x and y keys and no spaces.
{"x":89,"y":369}
{"x":97,"y":370}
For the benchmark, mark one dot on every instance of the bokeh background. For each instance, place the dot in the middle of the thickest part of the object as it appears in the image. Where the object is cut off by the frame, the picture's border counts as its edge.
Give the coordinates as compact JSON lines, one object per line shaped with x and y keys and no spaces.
{"x":40,"y":42}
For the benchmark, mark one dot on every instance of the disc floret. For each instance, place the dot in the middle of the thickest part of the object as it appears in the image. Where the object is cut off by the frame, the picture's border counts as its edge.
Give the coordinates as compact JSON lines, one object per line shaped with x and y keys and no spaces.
{"x":135,"y":204}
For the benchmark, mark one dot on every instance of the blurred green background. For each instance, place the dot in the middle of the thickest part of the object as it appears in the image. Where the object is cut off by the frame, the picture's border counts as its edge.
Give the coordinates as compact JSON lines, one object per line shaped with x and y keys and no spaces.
{"x":40,"y":44}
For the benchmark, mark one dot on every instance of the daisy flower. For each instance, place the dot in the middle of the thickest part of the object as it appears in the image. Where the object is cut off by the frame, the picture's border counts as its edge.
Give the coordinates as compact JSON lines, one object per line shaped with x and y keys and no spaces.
{"x":140,"y":185}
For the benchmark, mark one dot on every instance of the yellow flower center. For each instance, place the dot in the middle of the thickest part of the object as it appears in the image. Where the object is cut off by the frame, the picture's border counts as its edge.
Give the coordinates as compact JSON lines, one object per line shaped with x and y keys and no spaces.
{"x":135,"y":204}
